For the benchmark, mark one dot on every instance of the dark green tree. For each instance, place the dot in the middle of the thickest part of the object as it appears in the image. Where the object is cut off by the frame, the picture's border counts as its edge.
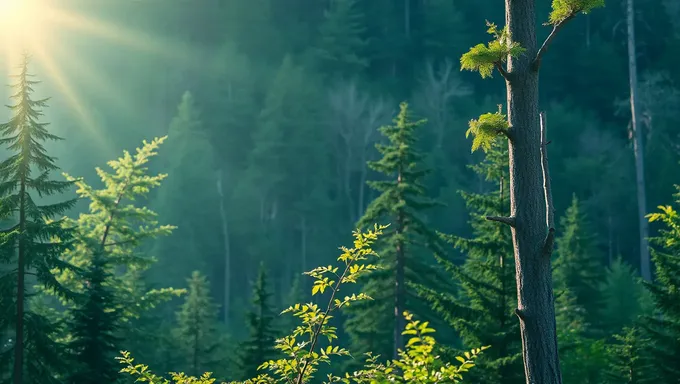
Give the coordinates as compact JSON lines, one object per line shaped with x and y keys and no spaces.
{"x":624,"y":298}
{"x":197,"y":335}
{"x":260,"y":344}
{"x":628,"y":357}
{"x":35,"y":242}
{"x":578,"y":266}
{"x":664,"y":328}
{"x":481,"y":309}
{"x":406,"y":245}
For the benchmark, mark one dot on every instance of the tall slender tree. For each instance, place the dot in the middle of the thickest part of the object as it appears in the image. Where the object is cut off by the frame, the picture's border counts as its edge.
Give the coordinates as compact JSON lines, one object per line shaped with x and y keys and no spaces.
{"x":531,"y":209}
{"x":406,"y":243}
{"x":34,"y":241}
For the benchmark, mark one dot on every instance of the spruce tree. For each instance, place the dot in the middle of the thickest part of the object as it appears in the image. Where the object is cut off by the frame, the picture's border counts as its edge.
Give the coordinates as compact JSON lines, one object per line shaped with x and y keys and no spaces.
{"x":578,"y":266}
{"x":35,"y":243}
{"x":623,"y":297}
{"x":481,"y":309}
{"x":628,"y":357}
{"x":663,"y":329}
{"x":260,"y":344}
{"x":376,"y":326}
{"x":197,"y":335}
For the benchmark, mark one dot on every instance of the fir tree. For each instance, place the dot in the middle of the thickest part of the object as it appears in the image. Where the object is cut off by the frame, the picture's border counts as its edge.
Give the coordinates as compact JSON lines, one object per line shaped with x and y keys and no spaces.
{"x":405,"y":244}
{"x":260,"y":345}
{"x":197,"y":334}
{"x":481,"y":310}
{"x":34,"y":244}
{"x":664,"y":328}
{"x":341,"y":49}
{"x":628,"y":359}
{"x":578,"y":267}
{"x":623,"y":297}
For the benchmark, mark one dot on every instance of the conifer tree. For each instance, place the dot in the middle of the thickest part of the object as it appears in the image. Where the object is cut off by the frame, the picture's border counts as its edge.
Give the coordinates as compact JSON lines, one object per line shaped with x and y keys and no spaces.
{"x":34,"y":243}
{"x":628,"y":358}
{"x":197,"y":335}
{"x":578,"y":266}
{"x":406,"y":243}
{"x":260,"y":345}
{"x":664,"y":328}
{"x":623,"y":297}
{"x":481,"y":310}
{"x":532,"y":213}
{"x":110,"y":289}
{"x":341,"y":49}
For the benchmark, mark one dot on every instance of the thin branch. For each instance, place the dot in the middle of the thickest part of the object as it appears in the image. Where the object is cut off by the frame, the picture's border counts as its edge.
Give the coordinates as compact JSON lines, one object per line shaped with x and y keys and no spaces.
{"x":537,"y":61}
{"x":547,"y":190}
{"x":502,"y":219}
{"x":502,"y":70}
{"x":520,"y":314}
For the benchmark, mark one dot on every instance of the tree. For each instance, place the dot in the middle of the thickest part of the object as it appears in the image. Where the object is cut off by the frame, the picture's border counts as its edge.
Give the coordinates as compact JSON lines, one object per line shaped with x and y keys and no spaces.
{"x":664,"y":328}
{"x":532,"y":213}
{"x":196,"y":334}
{"x":35,"y":241}
{"x":578,"y":267}
{"x":628,"y":363}
{"x":481,"y":309}
{"x":401,"y":201}
{"x":260,"y":344}
{"x":623,"y":297}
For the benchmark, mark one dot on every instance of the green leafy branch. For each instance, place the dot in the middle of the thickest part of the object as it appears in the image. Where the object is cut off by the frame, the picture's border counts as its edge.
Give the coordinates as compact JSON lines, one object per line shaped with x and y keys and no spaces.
{"x":486,"y":129}
{"x":484,"y":58}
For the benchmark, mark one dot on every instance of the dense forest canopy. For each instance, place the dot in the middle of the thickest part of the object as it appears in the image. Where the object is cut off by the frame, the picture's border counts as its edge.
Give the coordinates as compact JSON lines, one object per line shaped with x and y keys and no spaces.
{"x":267,"y":131}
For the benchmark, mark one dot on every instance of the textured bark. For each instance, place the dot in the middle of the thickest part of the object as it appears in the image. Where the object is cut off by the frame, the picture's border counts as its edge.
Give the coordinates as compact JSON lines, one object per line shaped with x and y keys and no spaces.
{"x":529,"y":203}
{"x":645,"y":269}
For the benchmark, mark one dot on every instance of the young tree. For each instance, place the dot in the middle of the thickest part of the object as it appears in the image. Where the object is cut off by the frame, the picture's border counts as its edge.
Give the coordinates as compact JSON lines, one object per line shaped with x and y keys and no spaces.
{"x":623,"y":297}
{"x":481,"y":310}
{"x":531,"y":214}
{"x":260,"y":344}
{"x":628,"y":359}
{"x":34,"y":243}
{"x":196,"y":334}
{"x":401,"y":202}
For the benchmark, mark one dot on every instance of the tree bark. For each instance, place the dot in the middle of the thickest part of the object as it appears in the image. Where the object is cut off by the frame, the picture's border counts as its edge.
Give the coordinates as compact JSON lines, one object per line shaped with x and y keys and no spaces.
{"x":530,"y":203}
{"x":638,"y":149}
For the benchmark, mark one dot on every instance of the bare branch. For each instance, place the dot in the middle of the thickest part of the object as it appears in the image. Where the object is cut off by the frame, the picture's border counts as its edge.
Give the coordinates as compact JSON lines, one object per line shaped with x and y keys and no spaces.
{"x":547,"y":190}
{"x":501,"y":219}
{"x":502,"y":70}
{"x":520,"y":314}
{"x":537,"y":61}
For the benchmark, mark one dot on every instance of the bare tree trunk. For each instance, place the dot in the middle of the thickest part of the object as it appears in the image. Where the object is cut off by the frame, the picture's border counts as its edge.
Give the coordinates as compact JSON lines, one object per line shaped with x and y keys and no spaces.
{"x":531,"y":211}
{"x":399,"y":290}
{"x":407,"y":18}
{"x":21,"y":288}
{"x":645,"y":268}
{"x":227,"y":250}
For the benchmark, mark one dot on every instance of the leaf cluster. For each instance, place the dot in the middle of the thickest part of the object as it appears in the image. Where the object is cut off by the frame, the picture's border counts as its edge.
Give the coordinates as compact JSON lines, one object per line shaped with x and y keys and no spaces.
{"x":486,"y":129}
{"x":563,"y":10}
{"x":484,"y":58}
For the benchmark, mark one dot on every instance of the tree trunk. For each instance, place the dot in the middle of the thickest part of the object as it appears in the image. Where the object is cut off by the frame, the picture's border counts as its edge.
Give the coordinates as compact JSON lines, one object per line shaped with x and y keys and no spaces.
{"x":21,"y":275}
{"x":645,"y":268}
{"x":530,"y":203}
{"x":399,"y":285}
{"x":227,"y":250}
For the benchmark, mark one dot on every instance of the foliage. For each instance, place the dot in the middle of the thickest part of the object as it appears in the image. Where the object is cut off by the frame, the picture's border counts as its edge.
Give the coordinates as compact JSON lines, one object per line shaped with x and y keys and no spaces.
{"x":623,"y":297}
{"x":304,"y":353}
{"x":486,"y":129}
{"x":484,"y":58}
{"x":563,"y":10}
{"x":629,"y":358}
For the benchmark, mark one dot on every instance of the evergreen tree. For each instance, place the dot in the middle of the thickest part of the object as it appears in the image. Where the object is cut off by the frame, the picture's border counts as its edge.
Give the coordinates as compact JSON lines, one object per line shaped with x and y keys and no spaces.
{"x":260,"y":345}
{"x":341,"y":49}
{"x":628,"y":359}
{"x":623,"y":297}
{"x":34,"y":243}
{"x":197,"y":335}
{"x":578,"y":267}
{"x":481,"y":309}
{"x":664,"y":328}
{"x":405,"y":246}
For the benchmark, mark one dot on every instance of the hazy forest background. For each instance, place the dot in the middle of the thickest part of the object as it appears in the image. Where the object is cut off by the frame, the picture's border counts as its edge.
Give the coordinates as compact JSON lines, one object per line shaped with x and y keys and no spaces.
{"x":271,"y":110}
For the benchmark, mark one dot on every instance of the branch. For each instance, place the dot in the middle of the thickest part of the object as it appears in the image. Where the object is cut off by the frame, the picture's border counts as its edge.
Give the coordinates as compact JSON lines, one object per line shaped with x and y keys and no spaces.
{"x":547,"y":190}
{"x":537,"y":61}
{"x":520,"y":314}
{"x":502,"y":70}
{"x":501,"y":219}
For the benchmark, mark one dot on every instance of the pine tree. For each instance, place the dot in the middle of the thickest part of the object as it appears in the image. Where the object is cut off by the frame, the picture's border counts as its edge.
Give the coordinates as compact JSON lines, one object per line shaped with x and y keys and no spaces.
{"x":95,"y":321}
{"x":623,"y":297}
{"x":260,"y":345}
{"x":481,"y":309}
{"x":35,"y":243}
{"x":664,"y":328}
{"x":578,"y":266}
{"x":405,"y":244}
{"x":341,"y":49}
{"x":197,"y":335}
{"x":628,"y":359}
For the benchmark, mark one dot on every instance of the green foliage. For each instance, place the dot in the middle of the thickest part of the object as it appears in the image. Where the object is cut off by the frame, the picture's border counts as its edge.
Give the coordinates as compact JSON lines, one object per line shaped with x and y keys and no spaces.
{"x":629,"y":358}
{"x":622,"y":295}
{"x":486,"y":129}
{"x":563,"y":10}
{"x":484,"y":58}
{"x":304,"y":353}
{"x":342,"y":46}
{"x":481,"y":308}
{"x":33,"y":241}
{"x":197,"y":336}
{"x":260,"y":345}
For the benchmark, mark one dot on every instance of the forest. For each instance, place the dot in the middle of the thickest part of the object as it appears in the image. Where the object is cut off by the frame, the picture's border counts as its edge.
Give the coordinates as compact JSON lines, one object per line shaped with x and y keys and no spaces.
{"x":356,"y":191}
